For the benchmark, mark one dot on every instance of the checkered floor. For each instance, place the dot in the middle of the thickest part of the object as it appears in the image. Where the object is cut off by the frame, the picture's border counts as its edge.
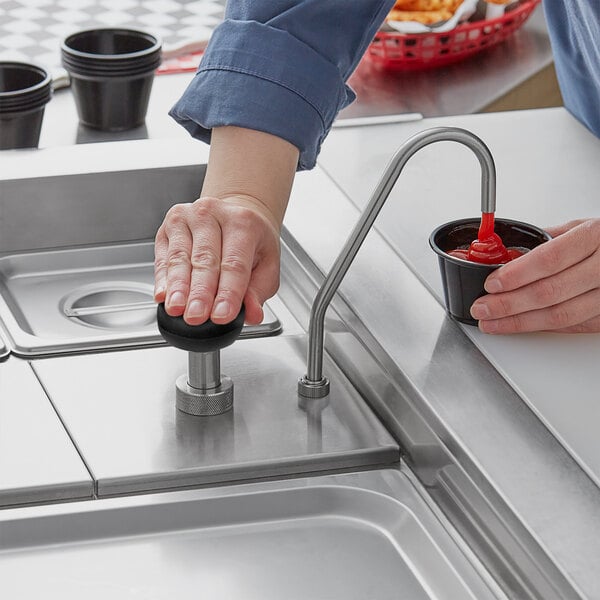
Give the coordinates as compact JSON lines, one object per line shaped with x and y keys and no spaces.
{"x":32,"y":30}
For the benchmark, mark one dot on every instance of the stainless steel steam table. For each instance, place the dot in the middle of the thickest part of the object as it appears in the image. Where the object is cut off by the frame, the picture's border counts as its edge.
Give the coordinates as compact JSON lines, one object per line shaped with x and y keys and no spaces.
{"x":505,"y":476}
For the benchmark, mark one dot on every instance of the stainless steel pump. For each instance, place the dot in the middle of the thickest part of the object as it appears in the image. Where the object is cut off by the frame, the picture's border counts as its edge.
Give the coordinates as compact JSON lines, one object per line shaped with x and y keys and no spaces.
{"x":314,"y":384}
{"x":203,"y":391}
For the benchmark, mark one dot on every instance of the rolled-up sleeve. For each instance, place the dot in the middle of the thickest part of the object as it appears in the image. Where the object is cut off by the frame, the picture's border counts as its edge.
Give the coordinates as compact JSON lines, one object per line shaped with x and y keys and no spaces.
{"x":280,"y":67}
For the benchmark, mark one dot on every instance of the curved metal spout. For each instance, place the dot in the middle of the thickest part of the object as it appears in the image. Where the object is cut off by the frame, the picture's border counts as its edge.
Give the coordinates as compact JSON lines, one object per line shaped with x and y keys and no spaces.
{"x":313,"y":384}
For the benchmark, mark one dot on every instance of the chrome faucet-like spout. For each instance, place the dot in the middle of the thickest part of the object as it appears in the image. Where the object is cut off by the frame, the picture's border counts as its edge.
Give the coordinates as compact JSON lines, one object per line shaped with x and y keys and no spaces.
{"x":314,"y":384}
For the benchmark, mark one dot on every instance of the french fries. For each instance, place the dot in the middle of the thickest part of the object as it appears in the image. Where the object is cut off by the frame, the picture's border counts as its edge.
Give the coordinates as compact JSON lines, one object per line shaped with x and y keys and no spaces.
{"x":427,"y":5}
{"x":423,"y":11}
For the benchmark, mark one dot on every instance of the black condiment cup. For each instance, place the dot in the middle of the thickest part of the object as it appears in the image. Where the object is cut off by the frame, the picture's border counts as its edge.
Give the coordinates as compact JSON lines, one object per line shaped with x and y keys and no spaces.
{"x":463,"y":280}
{"x":111,"y":72}
{"x":25,"y":90}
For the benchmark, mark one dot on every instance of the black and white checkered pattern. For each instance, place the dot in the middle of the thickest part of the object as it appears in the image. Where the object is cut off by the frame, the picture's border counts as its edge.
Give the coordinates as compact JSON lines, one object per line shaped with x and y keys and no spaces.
{"x":32,"y":30}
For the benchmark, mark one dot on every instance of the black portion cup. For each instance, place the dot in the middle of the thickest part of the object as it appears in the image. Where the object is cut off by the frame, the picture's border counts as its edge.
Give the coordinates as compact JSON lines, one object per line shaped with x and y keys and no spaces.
{"x":463,"y":280}
{"x":111,"y":72}
{"x":24,"y":92}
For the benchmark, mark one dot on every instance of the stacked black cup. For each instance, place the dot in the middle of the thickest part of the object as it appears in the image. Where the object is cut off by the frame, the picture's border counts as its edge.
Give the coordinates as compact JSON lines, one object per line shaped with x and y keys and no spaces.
{"x":24,"y":92}
{"x":111,"y":72}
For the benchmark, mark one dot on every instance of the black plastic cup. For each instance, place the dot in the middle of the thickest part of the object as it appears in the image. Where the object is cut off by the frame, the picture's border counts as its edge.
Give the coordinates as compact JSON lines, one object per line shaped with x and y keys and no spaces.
{"x":463,"y":280}
{"x":24,"y":92}
{"x":111,"y":72}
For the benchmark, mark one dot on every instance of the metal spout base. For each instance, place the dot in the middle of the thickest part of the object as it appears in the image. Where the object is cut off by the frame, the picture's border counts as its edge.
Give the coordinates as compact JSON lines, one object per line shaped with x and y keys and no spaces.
{"x":204,"y":403}
{"x":313,"y":389}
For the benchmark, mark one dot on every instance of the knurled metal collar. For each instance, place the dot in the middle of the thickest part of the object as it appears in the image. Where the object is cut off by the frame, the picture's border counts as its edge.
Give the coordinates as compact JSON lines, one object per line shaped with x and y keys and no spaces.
{"x":204,"y":403}
{"x":313,"y":389}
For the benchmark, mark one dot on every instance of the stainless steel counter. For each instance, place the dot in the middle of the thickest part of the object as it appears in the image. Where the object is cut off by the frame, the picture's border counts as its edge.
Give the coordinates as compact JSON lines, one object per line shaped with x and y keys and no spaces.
{"x":503,"y":468}
{"x":118,"y":407}
{"x":441,"y":183}
{"x":501,"y":429}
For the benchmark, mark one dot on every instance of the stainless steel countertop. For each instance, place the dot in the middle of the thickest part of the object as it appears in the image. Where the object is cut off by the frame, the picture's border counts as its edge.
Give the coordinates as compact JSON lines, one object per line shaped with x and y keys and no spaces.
{"x":465,"y":430}
{"x":492,"y":424}
{"x":441,"y":183}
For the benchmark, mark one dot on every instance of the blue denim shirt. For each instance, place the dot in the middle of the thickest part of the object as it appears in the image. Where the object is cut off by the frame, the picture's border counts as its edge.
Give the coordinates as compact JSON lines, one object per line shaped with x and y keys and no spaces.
{"x":280,"y":66}
{"x":574,"y":27}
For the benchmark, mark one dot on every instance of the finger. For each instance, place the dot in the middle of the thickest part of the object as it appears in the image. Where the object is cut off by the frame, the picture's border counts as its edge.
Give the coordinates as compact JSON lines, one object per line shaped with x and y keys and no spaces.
{"x":547,"y":259}
{"x":178,"y":259}
{"x":540,"y":294}
{"x":161,"y":244}
{"x":254,"y":308}
{"x":559,"y":317}
{"x":557,"y":230}
{"x":264,"y":283}
{"x":205,"y":266}
{"x":589,"y":326}
{"x":238,"y":249}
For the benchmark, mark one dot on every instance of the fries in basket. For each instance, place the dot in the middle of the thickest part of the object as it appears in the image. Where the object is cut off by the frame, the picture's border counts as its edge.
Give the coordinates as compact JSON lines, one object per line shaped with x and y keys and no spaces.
{"x":423,"y":11}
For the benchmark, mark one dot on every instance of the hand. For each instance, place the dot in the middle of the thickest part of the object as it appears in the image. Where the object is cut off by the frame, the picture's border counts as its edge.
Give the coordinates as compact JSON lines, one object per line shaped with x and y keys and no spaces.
{"x":213,"y":254}
{"x":555,"y":287}
{"x":223,"y":248}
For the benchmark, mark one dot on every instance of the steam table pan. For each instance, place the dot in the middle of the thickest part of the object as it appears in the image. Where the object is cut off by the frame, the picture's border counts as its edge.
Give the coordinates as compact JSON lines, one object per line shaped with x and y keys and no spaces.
{"x":83,"y":299}
{"x":351,"y":537}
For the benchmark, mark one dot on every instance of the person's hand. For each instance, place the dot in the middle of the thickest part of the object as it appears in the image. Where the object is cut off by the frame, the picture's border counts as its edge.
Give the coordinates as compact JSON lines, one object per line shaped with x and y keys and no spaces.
{"x":213,"y":254}
{"x":223,"y":248}
{"x":555,"y":287}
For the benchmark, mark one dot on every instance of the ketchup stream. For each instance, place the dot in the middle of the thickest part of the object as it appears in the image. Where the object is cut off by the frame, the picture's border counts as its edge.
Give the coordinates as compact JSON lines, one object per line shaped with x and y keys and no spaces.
{"x":488,"y":248}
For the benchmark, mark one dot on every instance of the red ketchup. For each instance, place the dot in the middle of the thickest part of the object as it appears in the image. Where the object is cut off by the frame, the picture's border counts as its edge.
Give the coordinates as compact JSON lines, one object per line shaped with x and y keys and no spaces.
{"x":488,"y":247}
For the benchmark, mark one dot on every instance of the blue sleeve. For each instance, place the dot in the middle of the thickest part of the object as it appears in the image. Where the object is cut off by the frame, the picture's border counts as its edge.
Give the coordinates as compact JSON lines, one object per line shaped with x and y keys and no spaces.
{"x":280,"y":66}
{"x":574,"y":27}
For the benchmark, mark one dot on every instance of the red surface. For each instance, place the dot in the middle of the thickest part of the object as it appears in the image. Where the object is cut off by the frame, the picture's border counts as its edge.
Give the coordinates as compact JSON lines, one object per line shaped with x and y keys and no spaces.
{"x":183,"y":64}
{"x":410,"y":52}
{"x":406,"y":52}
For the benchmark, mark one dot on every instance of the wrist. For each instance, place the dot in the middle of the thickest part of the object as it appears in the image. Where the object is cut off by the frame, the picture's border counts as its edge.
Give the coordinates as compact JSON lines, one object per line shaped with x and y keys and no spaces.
{"x":253,"y":168}
{"x":256,"y":205}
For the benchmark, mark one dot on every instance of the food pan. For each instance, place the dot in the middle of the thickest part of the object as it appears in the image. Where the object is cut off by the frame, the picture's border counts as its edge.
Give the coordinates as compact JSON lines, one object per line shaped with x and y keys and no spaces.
{"x":90,"y":298}
{"x":353,"y":537}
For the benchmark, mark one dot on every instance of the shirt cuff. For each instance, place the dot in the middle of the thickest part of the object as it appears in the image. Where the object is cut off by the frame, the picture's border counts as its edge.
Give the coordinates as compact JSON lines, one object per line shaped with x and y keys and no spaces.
{"x":259,"y":77}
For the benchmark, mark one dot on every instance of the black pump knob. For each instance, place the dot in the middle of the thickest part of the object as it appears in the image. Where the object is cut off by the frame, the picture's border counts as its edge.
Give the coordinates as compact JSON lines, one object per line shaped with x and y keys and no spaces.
{"x":207,"y":337}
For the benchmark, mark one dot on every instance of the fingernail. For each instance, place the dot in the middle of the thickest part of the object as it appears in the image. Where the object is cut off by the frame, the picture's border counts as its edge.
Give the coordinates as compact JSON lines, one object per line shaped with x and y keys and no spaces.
{"x":195,"y":309}
{"x":221,"y":309}
{"x":159,"y":291}
{"x":493,"y":286}
{"x":479,"y":310}
{"x":177,"y":299}
{"x":488,"y":326}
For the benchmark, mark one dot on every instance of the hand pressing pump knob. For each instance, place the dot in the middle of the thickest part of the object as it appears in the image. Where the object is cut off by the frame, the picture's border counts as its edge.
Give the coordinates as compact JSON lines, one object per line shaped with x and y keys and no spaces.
{"x":203,"y":391}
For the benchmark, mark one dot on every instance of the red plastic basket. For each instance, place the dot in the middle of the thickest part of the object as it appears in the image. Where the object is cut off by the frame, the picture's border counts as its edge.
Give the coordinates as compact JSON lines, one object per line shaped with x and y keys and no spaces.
{"x":411,"y":52}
